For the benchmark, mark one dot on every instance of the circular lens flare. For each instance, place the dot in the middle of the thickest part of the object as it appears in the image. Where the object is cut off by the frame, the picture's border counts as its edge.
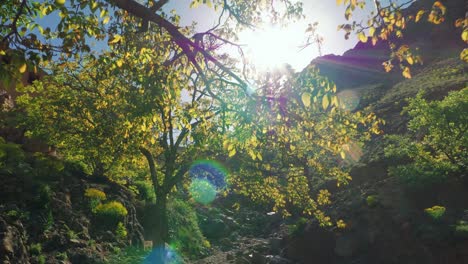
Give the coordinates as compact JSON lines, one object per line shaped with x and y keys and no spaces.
{"x":353,"y":152}
{"x":170,"y":256}
{"x":208,"y":178}
{"x":202,"y":191}
{"x":349,"y":100}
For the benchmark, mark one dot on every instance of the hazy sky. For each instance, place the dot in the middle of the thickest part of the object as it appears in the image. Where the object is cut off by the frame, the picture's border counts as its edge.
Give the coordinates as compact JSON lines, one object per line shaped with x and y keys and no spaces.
{"x":280,"y":45}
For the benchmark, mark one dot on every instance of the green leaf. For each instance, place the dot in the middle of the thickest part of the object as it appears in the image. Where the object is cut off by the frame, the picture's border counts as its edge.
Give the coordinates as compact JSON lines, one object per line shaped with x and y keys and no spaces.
{"x":306,"y":99}
{"x":325,"y":101}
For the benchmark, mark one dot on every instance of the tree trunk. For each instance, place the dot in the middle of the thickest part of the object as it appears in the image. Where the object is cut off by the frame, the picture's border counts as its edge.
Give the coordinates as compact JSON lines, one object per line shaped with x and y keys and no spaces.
{"x":161,"y":231}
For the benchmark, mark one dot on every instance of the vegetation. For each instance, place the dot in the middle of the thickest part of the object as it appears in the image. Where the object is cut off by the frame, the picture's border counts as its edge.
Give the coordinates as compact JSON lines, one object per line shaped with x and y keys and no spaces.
{"x":160,"y":97}
{"x":436,"y":143}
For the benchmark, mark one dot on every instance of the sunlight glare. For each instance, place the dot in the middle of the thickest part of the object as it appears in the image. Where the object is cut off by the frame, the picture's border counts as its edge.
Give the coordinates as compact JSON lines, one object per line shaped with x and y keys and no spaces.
{"x":273,"y":46}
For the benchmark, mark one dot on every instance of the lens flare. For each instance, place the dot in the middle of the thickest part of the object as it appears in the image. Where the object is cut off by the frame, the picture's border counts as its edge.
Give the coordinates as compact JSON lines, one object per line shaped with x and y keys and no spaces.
{"x":349,"y":100}
{"x":202,"y":191}
{"x":170,"y":256}
{"x":353,"y":152}
{"x":208,"y":178}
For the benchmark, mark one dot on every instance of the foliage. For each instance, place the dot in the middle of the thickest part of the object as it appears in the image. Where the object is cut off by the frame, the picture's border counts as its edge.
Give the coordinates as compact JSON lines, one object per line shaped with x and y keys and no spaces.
{"x":94,"y":193}
{"x":11,"y":157}
{"x":293,"y":138}
{"x":388,"y":23}
{"x":437,"y":141}
{"x":95,"y":197}
{"x":461,"y":228}
{"x":128,"y":255}
{"x":111,"y":212}
{"x":298,"y":227}
{"x":186,"y":236}
{"x":435,"y":212}
{"x":145,"y":191}
{"x":35,"y":249}
{"x":372,"y":200}
{"x":121,"y":231}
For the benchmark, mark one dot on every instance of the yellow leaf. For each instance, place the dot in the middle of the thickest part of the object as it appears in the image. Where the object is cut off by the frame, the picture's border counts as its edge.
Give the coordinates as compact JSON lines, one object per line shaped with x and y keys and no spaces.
{"x":464,"y":55}
{"x":259,"y":156}
{"x":306,"y":99}
{"x":232,"y":152}
{"x":339,"y":2}
{"x":362,"y":37}
{"x":116,"y":39}
{"x":464,"y":35}
{"x":60,"y":2}
{"x":119,"y":63}
{"x":343,"y":155}
{"x":23,"y":68}
{"x":2,"y":53}
{"x":419,"y":15}
{"x":406,"y":73}
{"x":325,"y":102}
{"x":371,"y":31}
{"x":106,"y":20}
{"x":153,"y":140}
{"x":410,"y":60}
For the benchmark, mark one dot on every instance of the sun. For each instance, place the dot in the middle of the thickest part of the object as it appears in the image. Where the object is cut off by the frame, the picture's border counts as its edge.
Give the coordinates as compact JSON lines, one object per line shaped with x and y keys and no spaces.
{"x":272,"y":46}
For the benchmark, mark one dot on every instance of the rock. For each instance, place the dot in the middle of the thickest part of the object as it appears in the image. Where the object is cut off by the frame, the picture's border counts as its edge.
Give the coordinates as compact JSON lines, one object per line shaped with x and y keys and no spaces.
{"x":258,"y":258}
{"x":12,"y":243}
{"x":84,"y":255}
{"x":346,"y":246}
{"x":275,"y":245}
{"x":272,"y":259}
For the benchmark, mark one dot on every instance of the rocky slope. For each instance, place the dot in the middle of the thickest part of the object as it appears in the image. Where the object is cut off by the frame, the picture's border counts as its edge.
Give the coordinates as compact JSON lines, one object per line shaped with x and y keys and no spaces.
{"x":46,"y":218}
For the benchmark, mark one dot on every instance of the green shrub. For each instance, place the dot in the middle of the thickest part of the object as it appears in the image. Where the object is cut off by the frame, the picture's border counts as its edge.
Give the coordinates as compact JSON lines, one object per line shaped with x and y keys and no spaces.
{"x":372,"y":200}
{"x":11,"y":158}
{"x":41,"y":259}
{"x":121,"y":231}
{"x":111,"y":212}
{"x":35,"y":249}
{"x":95,"y":197}
{"x":62,"y":256}
{"x":145,"y":191}
{"x":435,"y":212}
{"x":298,"y":227}
{"x":184,"y":230}
{"x":435,"y":147}
{"x":129,"y":255}
{"x":461,"y":229}
{"x":93,"y":193}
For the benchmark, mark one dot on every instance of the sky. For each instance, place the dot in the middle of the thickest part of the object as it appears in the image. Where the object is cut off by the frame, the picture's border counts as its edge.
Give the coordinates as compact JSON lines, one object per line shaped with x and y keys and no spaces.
{"x":270,"y":46}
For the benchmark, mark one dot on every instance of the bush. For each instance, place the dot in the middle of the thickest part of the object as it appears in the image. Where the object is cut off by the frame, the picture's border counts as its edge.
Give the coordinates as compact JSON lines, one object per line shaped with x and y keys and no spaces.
{"x":435,"y":212}
{"x":184,"y":231}
{"x":372,"y":200}
{"x":95,"y":197}
{"x":35,"y":249}
{"x":461,"y":229}
{"x":145,"y":191}
{"x":435,"y":147}
{"x":93,"y":193}
{"x":11,"y":157}
{"x":121,"y":231}
{"x":111,"y":212}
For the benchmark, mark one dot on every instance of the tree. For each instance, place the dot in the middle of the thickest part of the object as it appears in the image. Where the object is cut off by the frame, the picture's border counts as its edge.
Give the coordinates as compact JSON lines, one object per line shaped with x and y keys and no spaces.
{"x":435,"y":147}
{"x":296,"y":136}
{"x":129,"y":100}
{"x":27,"y":43}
